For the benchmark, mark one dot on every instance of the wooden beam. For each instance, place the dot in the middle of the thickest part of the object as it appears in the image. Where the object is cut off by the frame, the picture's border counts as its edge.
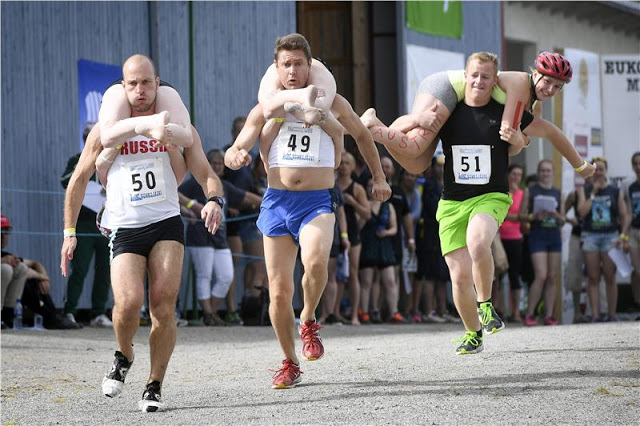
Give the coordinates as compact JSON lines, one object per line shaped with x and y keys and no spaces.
{"x":361,"y":56}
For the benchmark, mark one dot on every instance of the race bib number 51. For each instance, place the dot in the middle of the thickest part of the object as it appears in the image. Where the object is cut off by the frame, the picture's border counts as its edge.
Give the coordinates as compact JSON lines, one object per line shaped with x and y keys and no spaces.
{"x":147,"y":182}
{"x":471,"y":164}
{"x":299,"y":146}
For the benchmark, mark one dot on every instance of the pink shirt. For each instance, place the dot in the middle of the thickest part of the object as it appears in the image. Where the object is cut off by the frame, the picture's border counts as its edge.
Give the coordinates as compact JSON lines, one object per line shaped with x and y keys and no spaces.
{"x":510,"y":229}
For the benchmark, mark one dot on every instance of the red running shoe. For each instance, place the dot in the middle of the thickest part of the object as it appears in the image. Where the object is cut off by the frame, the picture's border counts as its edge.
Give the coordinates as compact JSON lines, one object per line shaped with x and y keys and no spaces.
{"x":550,"y":321}
{"x":312,"y":348}
{"x":287,"y":376}
{"x":530,"y":321}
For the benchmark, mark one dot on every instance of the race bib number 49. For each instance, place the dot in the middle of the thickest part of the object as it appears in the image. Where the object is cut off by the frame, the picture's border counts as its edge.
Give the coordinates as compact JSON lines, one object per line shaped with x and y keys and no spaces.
{"x":147,"y":182}
{"x":471,"y":164}
{"x":299,"y":146}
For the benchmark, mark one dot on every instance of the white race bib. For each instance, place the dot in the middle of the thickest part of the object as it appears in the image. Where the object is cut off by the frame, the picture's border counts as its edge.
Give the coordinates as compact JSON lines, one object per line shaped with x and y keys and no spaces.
{"x":147,"y":181}
{"x":299,"y":146}
{"x":471,"y":164}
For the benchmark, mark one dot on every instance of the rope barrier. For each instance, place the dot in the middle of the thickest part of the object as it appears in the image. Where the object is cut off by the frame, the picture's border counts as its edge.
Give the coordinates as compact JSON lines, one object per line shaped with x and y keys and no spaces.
{"x":32,"y":191}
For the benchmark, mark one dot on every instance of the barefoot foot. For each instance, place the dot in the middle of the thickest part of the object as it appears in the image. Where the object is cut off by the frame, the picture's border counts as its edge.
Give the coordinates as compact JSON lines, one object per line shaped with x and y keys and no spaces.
{"x":369,"y":118}
{"x":311,"y":115}
{"x":155,"y":127}
{"x":311,"y":93}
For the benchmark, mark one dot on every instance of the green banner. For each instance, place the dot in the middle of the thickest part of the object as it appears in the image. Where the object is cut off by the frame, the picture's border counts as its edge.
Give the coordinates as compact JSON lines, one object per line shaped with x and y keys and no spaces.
{"x":441,"y":18}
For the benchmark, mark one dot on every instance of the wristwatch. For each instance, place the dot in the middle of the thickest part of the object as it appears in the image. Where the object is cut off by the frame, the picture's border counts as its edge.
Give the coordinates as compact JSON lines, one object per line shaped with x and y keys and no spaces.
{"x":220,"y":200}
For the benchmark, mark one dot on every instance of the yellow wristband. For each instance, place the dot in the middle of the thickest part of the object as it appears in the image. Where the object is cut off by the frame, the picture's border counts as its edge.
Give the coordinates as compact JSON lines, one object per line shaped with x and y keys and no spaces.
{"x":190,"y":204}
{"x":624,"y":237}
{"x":69,"y":232}
{"x":344,"y":235}
{"x":582,"y":167}
{"x":279,"y":119}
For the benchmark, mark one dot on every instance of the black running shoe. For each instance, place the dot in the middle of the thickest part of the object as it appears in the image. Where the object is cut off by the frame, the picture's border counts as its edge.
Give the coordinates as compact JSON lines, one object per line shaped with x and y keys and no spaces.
{"x":491,"y":322}
{"x":151,"y":400}
{"x":113,"y":381}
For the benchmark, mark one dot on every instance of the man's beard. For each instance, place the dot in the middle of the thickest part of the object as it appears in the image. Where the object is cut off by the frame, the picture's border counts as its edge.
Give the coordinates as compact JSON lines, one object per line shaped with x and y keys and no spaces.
{"x":143,"y":107}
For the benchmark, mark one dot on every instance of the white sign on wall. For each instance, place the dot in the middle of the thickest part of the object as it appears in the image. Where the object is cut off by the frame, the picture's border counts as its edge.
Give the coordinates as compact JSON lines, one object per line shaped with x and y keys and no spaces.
{"x":422,"y":62}
{"x":620,"y":111}
{"x":581,"y":111}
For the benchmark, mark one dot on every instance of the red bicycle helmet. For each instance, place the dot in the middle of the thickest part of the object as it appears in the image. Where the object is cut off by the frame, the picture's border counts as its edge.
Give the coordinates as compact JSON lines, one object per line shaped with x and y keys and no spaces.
{"x":4,"y":222}
{"x":554,"y":65}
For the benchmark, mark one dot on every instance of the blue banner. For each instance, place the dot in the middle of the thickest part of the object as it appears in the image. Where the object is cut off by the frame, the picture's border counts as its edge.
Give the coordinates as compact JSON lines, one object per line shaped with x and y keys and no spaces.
{"x":93,"y":80}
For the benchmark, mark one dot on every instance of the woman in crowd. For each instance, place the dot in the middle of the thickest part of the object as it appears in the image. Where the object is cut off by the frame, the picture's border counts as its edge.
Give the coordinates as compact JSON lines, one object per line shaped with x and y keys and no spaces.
{"x":602,"y":210}
{"x":511,"y":237}
{"x":543,"y":207}
{"x":377,"y":253}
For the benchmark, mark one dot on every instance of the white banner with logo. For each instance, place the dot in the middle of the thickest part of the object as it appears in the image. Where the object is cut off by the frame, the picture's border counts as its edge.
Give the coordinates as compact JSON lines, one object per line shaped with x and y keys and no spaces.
{"x":582,"y":108}
{"x":422,"y":62}
{"x":620,"y":112}
{"x":582,"y":124}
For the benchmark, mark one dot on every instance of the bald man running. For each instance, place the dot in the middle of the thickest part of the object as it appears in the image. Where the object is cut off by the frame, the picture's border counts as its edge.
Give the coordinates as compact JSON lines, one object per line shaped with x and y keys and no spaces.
{"x":146,"y":231}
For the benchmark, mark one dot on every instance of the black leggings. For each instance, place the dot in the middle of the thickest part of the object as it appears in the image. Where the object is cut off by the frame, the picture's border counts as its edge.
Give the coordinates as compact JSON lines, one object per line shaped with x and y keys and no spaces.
{"x":514,"y":256}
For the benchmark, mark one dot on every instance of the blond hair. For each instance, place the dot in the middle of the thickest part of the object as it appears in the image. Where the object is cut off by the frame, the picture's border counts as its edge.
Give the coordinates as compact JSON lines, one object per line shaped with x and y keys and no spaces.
{"x":483,"y":57}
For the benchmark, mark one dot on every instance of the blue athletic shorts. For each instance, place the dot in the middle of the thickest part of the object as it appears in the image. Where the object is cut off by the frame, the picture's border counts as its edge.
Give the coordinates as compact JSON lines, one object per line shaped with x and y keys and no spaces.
{"x":545,"y":240}
{"x":285,"y":212}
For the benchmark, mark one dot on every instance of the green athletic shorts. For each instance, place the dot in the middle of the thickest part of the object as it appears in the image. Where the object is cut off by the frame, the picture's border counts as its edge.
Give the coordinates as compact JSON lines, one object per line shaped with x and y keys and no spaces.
{"x":454,"y":216}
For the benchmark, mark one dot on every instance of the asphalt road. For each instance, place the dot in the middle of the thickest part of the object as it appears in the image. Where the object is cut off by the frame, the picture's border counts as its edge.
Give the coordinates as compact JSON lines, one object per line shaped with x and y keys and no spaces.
{"x":575,"y":374}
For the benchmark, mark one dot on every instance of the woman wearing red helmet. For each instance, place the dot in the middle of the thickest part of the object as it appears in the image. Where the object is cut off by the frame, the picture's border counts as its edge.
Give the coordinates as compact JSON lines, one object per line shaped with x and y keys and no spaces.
{"x":552,"y":71}
{"x":409,"y":139}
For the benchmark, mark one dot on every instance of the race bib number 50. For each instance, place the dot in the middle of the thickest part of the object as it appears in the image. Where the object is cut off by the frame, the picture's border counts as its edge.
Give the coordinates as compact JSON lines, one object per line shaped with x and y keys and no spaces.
{"x":471,"y":164}
{"x":147,"y":181}
{"x":299,"y":146}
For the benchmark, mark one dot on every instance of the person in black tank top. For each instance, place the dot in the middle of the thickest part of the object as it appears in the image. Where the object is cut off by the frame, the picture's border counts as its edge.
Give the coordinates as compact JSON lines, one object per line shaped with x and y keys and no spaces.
{"x":631,"y":237}
{"x":357,"y":211}
{"x":602,"y":210}
{"x":475,"y":199}
{"x":475,"y":196}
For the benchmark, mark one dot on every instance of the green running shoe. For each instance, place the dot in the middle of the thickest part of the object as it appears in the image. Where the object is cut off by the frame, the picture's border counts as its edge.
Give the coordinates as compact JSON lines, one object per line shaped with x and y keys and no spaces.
{"x":491,"y":322}
{"x":470,"y":343}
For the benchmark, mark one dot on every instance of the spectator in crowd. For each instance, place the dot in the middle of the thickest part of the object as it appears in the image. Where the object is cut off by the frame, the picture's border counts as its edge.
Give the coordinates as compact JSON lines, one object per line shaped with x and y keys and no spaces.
{"x":329,"y":301}
{"x":90,"y":243}
{"x":545,"y":211}
{"x":357,"y":211}
{"x":407,"y":182}
{"x":603,"y":212}
{"x":27,"y":280}
{"x":210,"y":253}
{"x":433,"y":273}
{"x":575,"y":263}
{"x":361,"y":172}
{"x":14,"y":276}
{"x":511,"y":237}
{"x":243,"y":235}
{"x":378,"y":253}
{"x":632,"y":238}
{"x":406,"y":231}
{"x":526,"y":271}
